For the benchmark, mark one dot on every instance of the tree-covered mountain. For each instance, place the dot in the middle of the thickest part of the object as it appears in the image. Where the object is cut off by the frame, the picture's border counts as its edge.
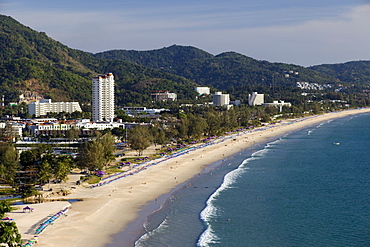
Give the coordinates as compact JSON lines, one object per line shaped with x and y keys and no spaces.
{"x":352,"y":72}
{"x":224,"y":71}
{"x":32,"y":61}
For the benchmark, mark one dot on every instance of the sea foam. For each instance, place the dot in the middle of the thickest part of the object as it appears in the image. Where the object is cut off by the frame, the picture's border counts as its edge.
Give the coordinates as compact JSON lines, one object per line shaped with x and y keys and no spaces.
{"x":144,"y":237}
{"x":211,"y":211}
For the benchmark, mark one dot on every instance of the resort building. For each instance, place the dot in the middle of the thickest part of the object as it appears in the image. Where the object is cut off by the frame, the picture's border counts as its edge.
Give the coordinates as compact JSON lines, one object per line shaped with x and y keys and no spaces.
{"x":202,"y":90}
{"x":163,"y":96}
{"x":220,"y":99}
{"x":278,"y":104}
{"x":11,"y":130}
{"x":86,"y":124}
{"x":103,"y":98}
{"x":139,"y":110}
{"x":44,"y":106}
{"x":255,"y":99}
{"x":48,"y":128}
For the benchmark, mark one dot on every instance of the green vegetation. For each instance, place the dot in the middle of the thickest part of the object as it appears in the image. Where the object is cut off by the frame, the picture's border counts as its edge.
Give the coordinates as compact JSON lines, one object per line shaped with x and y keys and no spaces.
{"x":140,"y":138}
{"x":9,"y":234}
{"x":31,"y":61}
{"x":96,"y":153}
{"x":93,"y":179}
{"x":8,"y":162}
{"x":224,"y":71}
{"x":353,"y":72}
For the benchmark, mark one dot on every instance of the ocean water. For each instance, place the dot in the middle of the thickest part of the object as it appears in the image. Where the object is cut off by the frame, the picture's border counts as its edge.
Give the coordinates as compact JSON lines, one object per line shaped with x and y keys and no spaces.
{"x":306,"y":188}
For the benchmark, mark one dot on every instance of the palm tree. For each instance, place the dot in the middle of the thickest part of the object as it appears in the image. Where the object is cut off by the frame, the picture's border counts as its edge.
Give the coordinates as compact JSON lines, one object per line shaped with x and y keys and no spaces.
{"x":4,"y":208}
{"x":9,"y":234}
{"x":8,"y":230}
{"x":45,"y":171}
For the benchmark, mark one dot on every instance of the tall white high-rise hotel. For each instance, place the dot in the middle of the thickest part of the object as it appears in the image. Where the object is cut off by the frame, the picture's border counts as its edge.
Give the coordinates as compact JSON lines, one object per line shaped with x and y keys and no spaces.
{"x":103,"y":98}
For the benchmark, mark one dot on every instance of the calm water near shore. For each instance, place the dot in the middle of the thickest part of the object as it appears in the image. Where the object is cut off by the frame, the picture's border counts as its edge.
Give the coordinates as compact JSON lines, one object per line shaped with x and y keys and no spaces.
{"x":307,"y":188}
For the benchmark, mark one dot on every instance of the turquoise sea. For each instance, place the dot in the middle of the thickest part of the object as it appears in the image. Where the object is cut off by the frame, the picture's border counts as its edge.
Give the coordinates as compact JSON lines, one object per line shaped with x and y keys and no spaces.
{"x":310,"y":187}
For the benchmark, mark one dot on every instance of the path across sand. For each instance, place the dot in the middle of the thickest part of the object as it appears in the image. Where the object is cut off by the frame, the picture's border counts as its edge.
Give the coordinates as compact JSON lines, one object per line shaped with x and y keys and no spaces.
{"x":106,"y":210}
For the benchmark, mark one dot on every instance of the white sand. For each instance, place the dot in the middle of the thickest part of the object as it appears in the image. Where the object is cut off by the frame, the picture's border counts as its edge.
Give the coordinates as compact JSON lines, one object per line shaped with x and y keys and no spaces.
{"x":107,"y":210}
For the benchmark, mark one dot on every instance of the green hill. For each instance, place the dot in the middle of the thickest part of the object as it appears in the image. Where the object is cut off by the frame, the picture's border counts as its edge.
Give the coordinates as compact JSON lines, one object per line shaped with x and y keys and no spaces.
{"x":31,"y":60}
{"x":357,"y":72}
{"x":224,"y":71}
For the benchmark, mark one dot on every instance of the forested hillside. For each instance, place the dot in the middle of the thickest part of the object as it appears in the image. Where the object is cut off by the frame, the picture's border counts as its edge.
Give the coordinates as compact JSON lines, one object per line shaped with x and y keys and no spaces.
{"x":353,"y":72}
{"x":33,"y":61}
{"x":224,"y":71}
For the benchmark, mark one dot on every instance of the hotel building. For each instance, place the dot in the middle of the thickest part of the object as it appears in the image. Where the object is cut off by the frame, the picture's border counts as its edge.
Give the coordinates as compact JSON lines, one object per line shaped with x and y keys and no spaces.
{"x":255,"y":99}
{"x":103,"y":98}
{"x":44,"y":106}
{"x":220,"y":99}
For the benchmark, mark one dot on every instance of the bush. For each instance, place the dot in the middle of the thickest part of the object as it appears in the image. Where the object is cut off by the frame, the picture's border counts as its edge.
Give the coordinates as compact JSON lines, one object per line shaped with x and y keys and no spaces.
{"x":93,"y":179}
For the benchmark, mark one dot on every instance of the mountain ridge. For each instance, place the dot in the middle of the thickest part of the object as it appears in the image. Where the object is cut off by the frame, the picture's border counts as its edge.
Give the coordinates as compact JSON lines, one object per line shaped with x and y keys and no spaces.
{"x":28,"y":55}
{"x":31,"y":59}
{"x":223,"y":71}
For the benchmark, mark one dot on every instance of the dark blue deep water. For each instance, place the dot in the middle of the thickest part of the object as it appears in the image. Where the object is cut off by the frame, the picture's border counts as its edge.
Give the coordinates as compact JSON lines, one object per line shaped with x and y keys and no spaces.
{"x":298,"y":190}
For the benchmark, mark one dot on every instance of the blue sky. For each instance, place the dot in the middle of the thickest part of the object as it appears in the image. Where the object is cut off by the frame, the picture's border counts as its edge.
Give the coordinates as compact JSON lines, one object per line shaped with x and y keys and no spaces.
{"x":291,"y":31}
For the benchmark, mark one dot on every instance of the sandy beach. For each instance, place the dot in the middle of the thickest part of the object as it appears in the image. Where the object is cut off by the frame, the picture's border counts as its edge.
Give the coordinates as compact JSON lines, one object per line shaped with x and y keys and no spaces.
{"x":108,"y":209}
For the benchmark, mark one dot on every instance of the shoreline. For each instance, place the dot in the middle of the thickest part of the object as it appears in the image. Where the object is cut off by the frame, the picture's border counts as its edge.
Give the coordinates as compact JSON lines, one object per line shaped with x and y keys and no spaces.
{"x":112,"y":208}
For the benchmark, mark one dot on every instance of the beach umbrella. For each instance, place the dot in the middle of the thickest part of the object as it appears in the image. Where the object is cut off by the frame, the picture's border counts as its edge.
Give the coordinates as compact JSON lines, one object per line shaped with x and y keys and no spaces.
{"x":100,"y":173}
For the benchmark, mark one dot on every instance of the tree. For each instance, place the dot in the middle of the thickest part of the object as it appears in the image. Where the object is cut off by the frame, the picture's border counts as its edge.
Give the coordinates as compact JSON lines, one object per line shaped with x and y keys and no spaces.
{"x":183,"y":127}
{"x":158,"y":135}
{"x":171,"y":132}
{"x":119,"y":132}
{"x":121,"y":114}
{"x":213,"y":121}
{"x":8,"y":230}
{"x":107,"y":142}
{"x":45,"y":171}
{"x":32,"y":157}
{"x":9,"y":234}
{"x":72,"y":134}
{"x":139,"y":138}
{"x":63,"y":165}
{"x":91,"y":156}
{"x":161,"y":138}
{"x":229,"y":120}
{"x":197,"y":125}
{"x":8,"y":162}
{"x":4,"y":208}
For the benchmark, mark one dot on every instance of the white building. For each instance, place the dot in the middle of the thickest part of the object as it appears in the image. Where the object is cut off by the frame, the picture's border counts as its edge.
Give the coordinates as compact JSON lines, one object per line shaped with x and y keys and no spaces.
{"x":278,"y":104}
{"x":15,"y":129}
{"x":220,"y":99}
{"x":103,"y":98}
{"x":86,"y":124}
{"x":255,"y":99}
{"x":49,"y":126}
{"x":202,"y":90}
{"x":164,"y":96}
{"x":138,"y":110}
{"x":44,"y":106}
